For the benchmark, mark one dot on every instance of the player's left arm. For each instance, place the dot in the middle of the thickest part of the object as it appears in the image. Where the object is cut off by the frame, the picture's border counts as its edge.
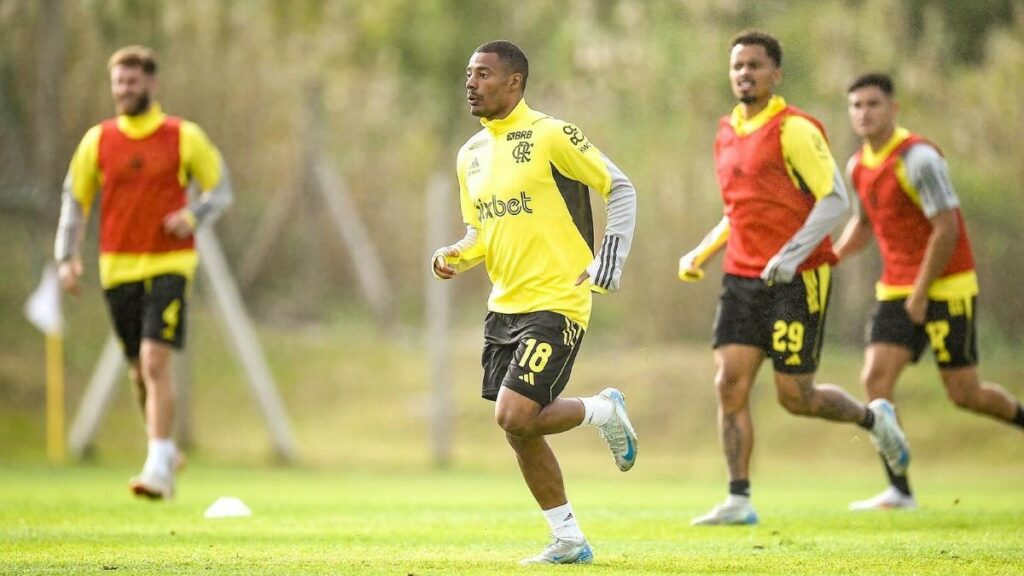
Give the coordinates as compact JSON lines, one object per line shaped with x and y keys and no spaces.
{"x":928,"y":175}
{"x":576,"y":157}
{"x":203,"y":165}
{"x":812,"y":167}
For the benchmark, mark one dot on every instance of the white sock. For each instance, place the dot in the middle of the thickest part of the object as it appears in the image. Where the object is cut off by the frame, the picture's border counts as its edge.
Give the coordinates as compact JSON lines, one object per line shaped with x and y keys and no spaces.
{"x":737,"y":500}
{"x":160,"y":456}
{"x":597,"y":411}
{"x":563,"y":522}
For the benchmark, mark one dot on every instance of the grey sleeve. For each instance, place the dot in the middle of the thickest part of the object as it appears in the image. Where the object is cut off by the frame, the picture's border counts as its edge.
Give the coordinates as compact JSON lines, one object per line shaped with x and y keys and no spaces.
{"x":70,"y":225}
{"x":824,"y":217}
{"x":858,"y":208}
{"x":209,"y":205}
{"x":928,"y":173}
{"x":606,"y":269}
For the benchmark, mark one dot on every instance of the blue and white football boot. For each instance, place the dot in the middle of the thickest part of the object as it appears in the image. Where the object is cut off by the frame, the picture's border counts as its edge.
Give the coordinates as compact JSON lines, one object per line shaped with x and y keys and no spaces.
{"x":563,"y":551}
{"x":618,"y":432}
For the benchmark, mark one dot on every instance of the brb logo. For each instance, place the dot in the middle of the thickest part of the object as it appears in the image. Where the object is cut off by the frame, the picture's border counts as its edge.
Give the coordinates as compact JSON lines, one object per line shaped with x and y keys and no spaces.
{"x":497,"y":208}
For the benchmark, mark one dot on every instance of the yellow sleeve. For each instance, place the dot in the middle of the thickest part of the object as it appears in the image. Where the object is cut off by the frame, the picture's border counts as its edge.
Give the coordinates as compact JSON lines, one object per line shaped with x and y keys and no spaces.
{"x":575,"y":157}
{"x":809,"y":161}
{"x":200,"y":159}
{"x":84,"y":172}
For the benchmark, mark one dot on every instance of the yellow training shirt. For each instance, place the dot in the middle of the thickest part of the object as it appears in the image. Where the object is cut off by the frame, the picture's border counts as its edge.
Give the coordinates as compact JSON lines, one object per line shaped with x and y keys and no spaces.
{"x":523,"y":183}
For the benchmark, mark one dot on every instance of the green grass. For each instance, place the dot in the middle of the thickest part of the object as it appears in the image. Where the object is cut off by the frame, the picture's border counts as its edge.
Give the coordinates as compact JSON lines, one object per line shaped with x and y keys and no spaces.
{"x":364,"y":499}
{"x":414,"y":521}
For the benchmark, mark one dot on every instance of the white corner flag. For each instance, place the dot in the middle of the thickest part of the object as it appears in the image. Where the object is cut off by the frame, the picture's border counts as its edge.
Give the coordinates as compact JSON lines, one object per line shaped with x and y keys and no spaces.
{"x":43,"y":307}
{"x":43,"y":311}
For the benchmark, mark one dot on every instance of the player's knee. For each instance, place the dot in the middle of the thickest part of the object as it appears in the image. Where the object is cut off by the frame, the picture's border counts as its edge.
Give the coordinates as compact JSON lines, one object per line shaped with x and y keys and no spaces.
{"x":732,"y":391}
{"x":155,"y":366}
{"x":877,"y":382}
{"x":513,"y":424}
{"x":961,"y":396}
{"x":795,"y":404}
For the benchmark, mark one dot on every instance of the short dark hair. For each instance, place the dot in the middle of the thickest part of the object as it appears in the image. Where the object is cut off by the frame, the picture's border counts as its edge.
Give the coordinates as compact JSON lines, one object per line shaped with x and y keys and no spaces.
{"x":512,"y":55}
{"x":134,"y":57}
{"x":769,"y":42}
{"x":882,"y":81}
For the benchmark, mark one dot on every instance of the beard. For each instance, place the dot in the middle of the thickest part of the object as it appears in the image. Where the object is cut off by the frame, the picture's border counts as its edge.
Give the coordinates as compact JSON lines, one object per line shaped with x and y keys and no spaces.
{"x":140,"y":105}
{"x":748,"y":99}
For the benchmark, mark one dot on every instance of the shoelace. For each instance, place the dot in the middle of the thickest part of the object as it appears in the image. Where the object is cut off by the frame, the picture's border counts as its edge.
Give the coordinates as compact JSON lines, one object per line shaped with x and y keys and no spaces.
{"x":889,"y":446}
{"x":558,"y":543}
{"x":616,"y":440}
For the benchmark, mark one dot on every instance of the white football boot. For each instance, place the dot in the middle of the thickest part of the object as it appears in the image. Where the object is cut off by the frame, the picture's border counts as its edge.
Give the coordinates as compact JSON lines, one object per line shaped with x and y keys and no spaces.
{"x":563,"y":551}
{"x":156,"y":481}
{"x":152,"y":485}
{"x":618,"y":432}
{"x":733,"y":512}
{"x":889,"y":499}
{"x":888,"y":436}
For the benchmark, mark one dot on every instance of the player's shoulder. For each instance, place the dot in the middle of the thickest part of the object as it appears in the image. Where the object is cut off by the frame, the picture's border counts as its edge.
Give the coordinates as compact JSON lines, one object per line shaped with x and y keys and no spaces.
{"x":921,"y":150}
{"x":559,"y":133}
{"x":91,"y":138}
{"x":544,"y":124}
{"x":800,"y":122}
{"x":187,"y":127}
{"x":94,"y":132}
{"x":476,"y":141}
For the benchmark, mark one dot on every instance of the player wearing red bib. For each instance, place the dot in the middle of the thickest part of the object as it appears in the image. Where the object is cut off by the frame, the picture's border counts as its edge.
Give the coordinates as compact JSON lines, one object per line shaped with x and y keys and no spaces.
{"x":783,"y":195}
{"x":927,"y":295}
{"x":141,"y":164}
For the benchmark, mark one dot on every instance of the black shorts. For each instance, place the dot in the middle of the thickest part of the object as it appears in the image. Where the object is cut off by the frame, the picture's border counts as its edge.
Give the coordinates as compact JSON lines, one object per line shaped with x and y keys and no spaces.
{"x":153,"y":309}
{"x":530,"y":353}
{"x":949,"y":328}
{"x":786,"y":320}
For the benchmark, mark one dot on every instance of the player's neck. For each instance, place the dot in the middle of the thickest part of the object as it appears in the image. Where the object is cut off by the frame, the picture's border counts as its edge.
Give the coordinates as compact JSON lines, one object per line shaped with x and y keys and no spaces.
{"x":878,"y":140}
{"x":754,"y":108}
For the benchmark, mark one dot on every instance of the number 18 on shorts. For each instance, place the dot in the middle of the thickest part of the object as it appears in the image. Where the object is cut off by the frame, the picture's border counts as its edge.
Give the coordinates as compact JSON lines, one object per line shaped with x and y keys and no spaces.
{"x":531,"y":354}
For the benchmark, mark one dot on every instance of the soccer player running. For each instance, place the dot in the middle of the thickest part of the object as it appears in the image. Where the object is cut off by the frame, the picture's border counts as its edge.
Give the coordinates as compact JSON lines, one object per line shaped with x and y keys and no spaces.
{"x":783,"y":194}
{"x":927,"y":295}
{"x":523,"y":182}
{"x":141,"y":164}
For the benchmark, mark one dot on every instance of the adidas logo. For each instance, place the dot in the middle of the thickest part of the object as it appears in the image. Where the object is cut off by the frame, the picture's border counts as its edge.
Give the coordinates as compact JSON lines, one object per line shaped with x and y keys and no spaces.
{"x":567,"y":518}
{"x":528,"y":378}
{"x":793,"y":360}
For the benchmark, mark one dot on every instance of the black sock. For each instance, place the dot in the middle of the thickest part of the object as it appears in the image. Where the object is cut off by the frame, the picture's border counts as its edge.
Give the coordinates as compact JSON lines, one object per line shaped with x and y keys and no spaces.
{"x":739,"y":488}
{"x":869,"y":419}
{"x":1019,"y":418}
{"x":899,"y":482}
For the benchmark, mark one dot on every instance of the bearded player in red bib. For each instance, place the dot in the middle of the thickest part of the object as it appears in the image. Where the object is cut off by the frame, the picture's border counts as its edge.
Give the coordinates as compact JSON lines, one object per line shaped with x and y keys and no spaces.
{"x":140,"y":165}
{"x":783,"y":194}
{"x":927,"y":295}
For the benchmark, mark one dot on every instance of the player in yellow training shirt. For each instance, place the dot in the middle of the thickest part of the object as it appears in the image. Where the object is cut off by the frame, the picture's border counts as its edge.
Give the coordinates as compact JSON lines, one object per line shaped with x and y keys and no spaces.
{"x":139,"y":166}
{"x":524,"y":183}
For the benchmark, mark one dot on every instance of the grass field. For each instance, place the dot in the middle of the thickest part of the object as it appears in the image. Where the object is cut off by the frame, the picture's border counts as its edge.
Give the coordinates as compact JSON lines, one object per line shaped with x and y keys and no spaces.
{"x":81,"y":520}
{"x":364,"y":498}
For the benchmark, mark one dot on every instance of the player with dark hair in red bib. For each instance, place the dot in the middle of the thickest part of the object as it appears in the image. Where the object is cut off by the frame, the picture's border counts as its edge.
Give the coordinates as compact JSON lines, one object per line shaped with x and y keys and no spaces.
{"x":927,"y":295}
{"x":783,"y":194}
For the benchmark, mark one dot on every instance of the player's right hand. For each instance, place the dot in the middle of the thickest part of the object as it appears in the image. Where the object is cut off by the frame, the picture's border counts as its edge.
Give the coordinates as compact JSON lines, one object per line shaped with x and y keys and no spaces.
{"x":68,"y":272}
{"x":439,"y":264}
{"x":688,"y":269}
